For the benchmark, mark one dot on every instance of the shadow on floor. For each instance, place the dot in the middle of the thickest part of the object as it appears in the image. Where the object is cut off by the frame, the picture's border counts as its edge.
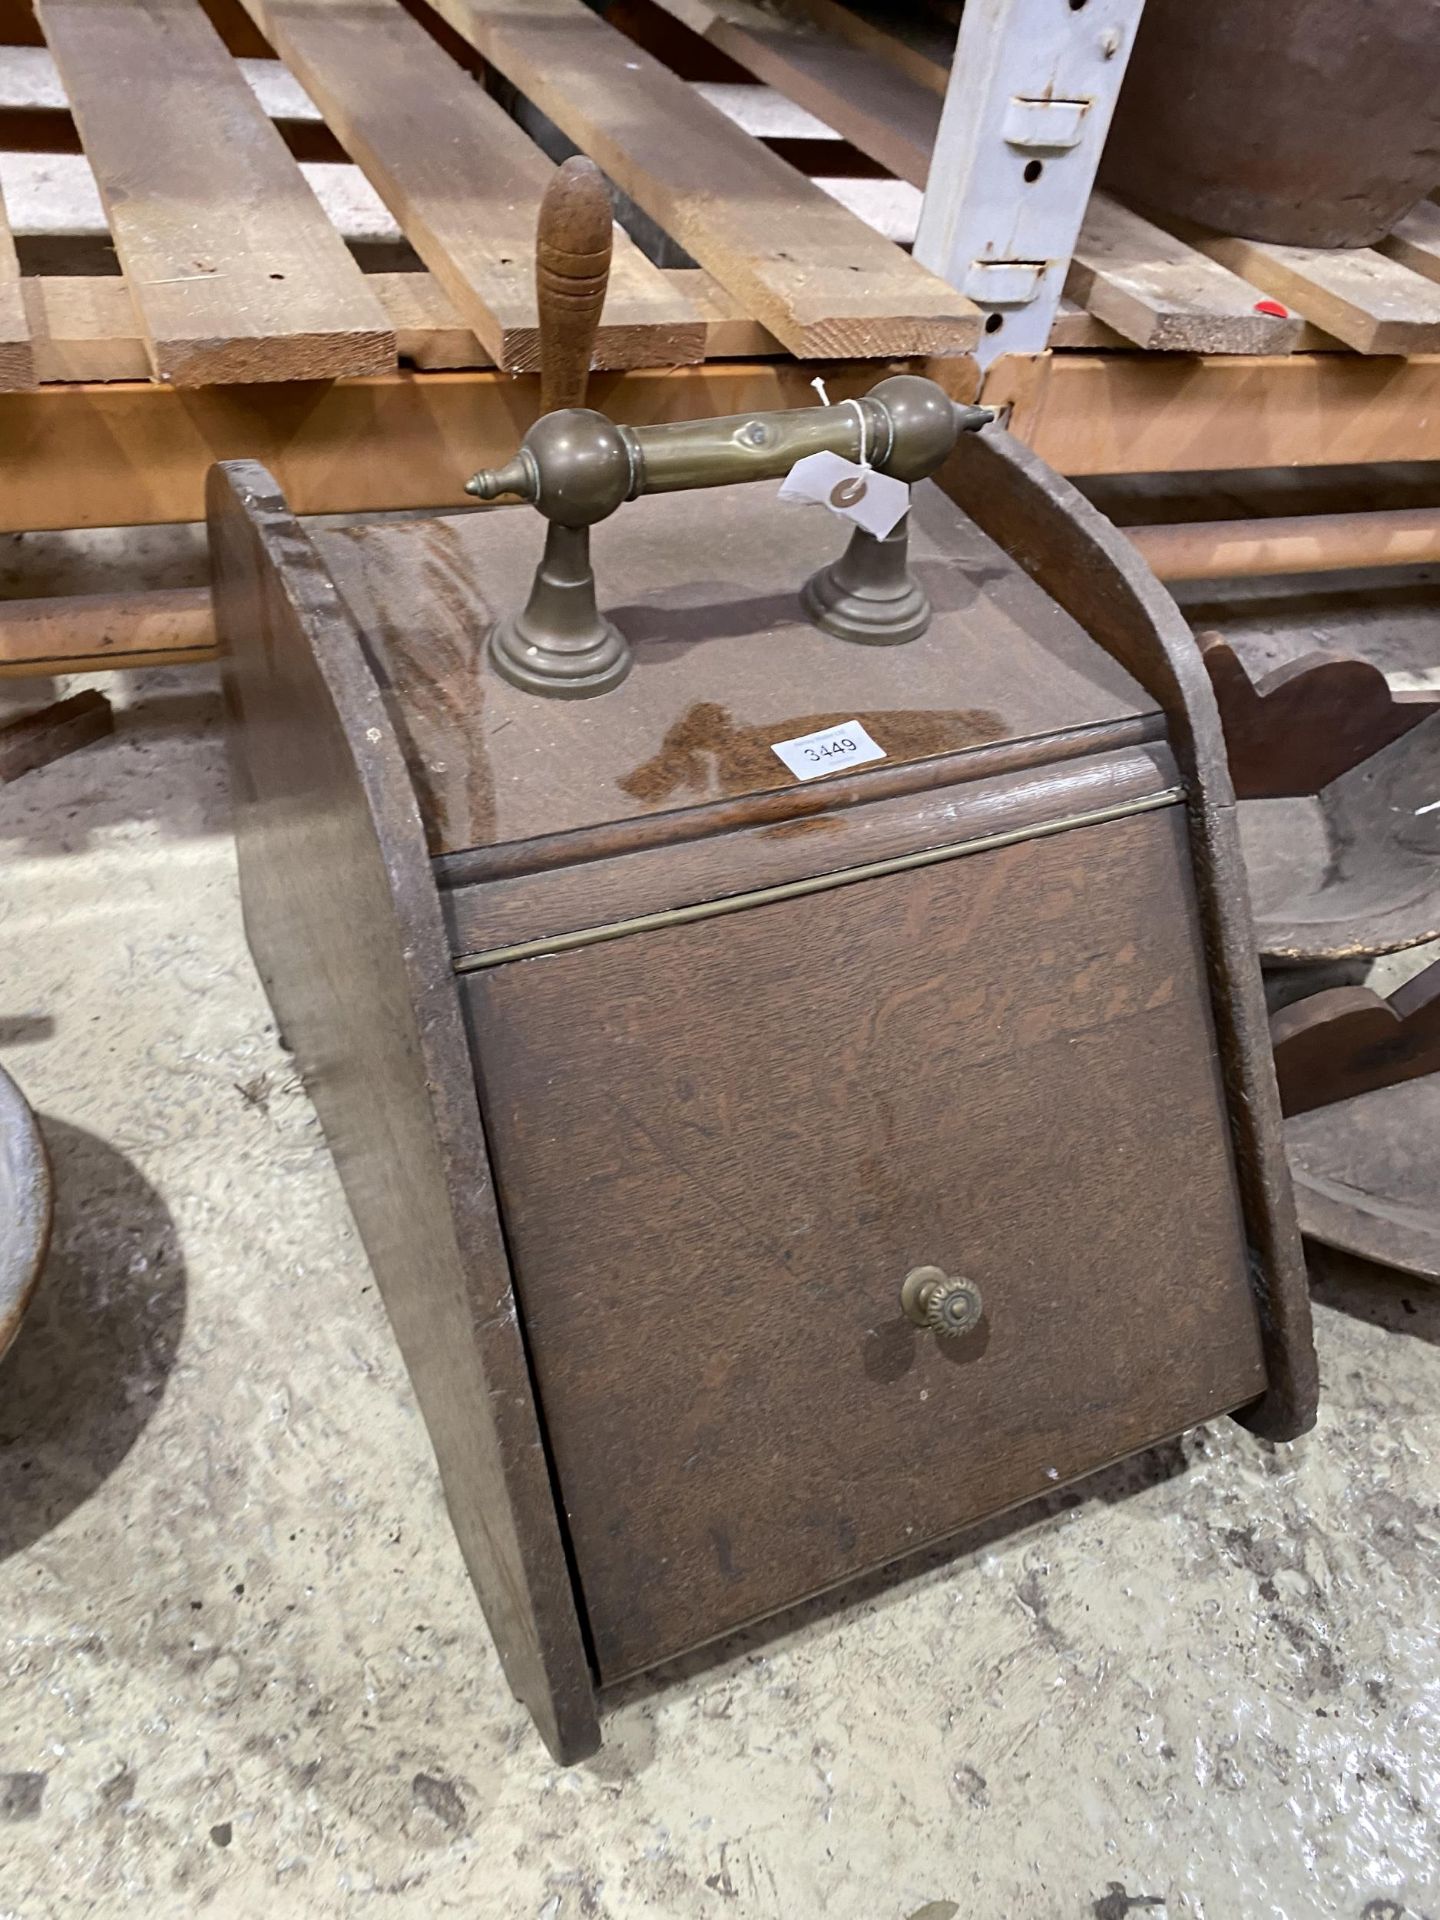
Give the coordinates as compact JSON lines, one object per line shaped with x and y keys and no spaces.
{"x":90,"y":1363}
{"x":1385,"y":1297}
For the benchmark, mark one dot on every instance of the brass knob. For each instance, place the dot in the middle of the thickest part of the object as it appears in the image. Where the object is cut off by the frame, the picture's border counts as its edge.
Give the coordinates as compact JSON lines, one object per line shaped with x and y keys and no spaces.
{"x":944,"y":1302}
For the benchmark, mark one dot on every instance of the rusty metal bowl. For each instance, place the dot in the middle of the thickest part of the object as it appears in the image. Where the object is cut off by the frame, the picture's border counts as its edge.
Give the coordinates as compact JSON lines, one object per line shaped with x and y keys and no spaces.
{"x":26,"y":1206}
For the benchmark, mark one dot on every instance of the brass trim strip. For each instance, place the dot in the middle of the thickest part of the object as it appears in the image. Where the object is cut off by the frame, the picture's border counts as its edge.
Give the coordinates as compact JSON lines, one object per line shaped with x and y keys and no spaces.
{"x":818,"y":883}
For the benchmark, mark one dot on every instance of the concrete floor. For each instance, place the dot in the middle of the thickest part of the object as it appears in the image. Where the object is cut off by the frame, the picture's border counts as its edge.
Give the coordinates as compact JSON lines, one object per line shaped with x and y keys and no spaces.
{"x":245,"y":1673}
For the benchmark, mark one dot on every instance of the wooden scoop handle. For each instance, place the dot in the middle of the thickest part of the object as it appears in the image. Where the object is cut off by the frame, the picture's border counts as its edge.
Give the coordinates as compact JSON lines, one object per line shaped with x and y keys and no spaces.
{"x":572,"y":270}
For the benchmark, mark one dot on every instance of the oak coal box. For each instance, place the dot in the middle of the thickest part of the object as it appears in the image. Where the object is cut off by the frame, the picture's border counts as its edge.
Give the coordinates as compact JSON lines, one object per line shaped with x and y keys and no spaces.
{"x":767,"y":1176}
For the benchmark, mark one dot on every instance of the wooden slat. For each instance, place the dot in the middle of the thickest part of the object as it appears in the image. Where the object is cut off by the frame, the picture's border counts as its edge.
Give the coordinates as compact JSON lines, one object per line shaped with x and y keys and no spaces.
{"x":819,"y":279}
{"x":879,"y":109}
{"x":1163,"y":294}
{"x":85,"y":328}
{"x":1075,"y":327}
{"x":922,"y":62}
{"x":462,"y":180}
{"x":235,"y":271}
{"x":1142,"y":282}
{"x":1156,"y":413}
{"x":136,"y":453}
{"x":1369,"y":301}
{"x":17,"y":366}
{"x":76,"y":633}
{"x":730,"y":334}
{"x":1414,"y":240}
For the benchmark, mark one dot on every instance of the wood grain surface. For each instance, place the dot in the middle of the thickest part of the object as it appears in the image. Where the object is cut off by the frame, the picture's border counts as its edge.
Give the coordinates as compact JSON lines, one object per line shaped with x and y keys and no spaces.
{"x":721,"y":1147}
{"x":823,"y":282}
{"x":83,"y":327}
{"x":873,"y":103}
{"x":1370,"y":301}
{"x":572,"y":270}
{"x":462,"y":180}
{"x":17,"y":359}
{"x":705,"y":586}
{"x":1355,"y":869}
{"x":1075,"y":554}
{"x":342,"y":919}
{"x":235,"y":271}
{"x":837,"y":831}
{"x":1365,"y":1175}
{"x":1164,"y":295}
{"x":1347,"y":1041}
{"x":1305,"y":723}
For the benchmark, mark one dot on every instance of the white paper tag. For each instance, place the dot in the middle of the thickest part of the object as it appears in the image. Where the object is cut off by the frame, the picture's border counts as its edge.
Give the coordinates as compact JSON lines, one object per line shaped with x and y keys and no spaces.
{"x":831,"y":750}
{"x":872,"y":500}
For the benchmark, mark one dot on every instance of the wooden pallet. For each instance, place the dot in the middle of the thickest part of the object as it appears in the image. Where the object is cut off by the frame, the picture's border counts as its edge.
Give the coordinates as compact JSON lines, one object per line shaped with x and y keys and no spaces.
{"x":230,"y":269}
{"x":298,"y":191}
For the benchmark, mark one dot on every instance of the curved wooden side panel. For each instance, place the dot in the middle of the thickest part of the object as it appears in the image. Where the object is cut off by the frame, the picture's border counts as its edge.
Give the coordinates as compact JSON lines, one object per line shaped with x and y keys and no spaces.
{"x":1305,"y":723}
{"x":1093,"y":572}
{"x":1348,"y":1041}
{"x":344,"y":923}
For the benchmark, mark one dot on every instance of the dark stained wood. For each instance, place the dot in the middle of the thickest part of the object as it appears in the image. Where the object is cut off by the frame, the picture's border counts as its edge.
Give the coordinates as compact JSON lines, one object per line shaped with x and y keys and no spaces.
{"x":26,"y":1206}
{"x":572,"y":270}
{"x":706,"y":586}
{"x":1365,"y":1175}
{"x":786,"y":810}
{"x":1355,"y":869}
{"x":345,"y":927}
{"x":51,"y":732}
{"x":1305,"y":723}
{"x":1089,"y":568}
{"x":721,"y":1147}
{"x":1351,"y":1040}
{"x":1003,"y":1011}
{"x":830,"y":838}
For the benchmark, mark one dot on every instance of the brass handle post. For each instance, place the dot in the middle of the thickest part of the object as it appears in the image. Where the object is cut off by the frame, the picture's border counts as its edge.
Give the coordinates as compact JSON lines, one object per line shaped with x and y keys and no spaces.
{"x":577,"y":467}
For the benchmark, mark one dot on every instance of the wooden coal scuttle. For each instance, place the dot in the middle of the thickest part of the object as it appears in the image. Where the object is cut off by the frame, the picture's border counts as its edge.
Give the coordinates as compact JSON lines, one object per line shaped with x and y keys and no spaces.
{"x":767,"y":1177}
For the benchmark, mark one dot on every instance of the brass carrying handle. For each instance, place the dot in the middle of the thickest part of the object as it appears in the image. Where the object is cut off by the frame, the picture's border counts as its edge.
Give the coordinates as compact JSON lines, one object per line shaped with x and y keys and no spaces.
{"x":577,"y":466}
{"x":941,"y":1302}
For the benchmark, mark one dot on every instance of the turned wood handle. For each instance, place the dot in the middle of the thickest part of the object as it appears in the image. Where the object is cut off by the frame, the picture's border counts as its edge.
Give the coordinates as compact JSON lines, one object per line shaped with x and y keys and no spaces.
{"x":572,"y":270}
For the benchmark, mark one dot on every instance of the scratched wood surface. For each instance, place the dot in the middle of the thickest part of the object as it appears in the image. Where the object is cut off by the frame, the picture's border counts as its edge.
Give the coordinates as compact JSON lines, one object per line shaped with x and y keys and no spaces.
{"x":721,"y":1147}
{"x":343,"y":922}
{"x":462,"y":180}
{"x":235,"y":271}
{"x":17,"y":357}
{"x":705,"y":585}
{"x":826,"y":284}
{"x":1089,"y":567}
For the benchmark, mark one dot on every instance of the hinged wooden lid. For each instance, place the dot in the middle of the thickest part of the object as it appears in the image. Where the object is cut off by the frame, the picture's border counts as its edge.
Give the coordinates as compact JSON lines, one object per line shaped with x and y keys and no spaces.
{"x":706,"y":586}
